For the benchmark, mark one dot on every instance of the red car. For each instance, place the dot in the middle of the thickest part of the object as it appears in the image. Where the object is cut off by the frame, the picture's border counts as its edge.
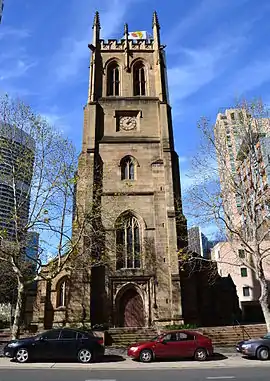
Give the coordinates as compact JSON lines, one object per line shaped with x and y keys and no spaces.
{"x":173,"y":344}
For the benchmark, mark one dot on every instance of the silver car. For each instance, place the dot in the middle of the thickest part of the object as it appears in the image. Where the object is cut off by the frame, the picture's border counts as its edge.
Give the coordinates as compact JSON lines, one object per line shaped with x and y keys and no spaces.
{"x":258,"y":348}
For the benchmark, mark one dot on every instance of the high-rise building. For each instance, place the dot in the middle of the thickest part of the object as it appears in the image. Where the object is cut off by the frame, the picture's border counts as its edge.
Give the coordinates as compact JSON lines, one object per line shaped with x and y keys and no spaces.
{"x":243,"y":153}
{"x":16,"y":167}
{"x":226,"y":134}
{"x":31,"y":248}
{"x":198,"y":243}
{"x":195,"y":240}
{"x":234,"y":160}
{"x":128,"y":174}
{"x":254,"y":171}
{"x":1,"y":9}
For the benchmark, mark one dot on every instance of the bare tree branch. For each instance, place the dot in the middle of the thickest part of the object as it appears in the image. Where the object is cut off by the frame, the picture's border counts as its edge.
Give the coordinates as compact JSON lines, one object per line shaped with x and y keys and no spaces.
{"x":232,"y":190}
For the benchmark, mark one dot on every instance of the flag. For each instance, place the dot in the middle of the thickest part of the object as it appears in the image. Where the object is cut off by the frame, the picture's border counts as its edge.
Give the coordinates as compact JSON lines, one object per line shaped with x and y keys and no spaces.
{"x":138,"y":35}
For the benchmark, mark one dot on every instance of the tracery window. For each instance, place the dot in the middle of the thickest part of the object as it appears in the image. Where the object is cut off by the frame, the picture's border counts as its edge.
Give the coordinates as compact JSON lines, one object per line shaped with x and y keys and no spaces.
{"x":62,"y":293}
{"x":113,"y":79}
{"x":128,"y":243}
{"x":139,"y":82}
{"x":127,"y":168}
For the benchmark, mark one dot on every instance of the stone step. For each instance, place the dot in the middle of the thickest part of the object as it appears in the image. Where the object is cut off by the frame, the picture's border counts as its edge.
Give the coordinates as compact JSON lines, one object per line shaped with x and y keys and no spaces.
{"x":132,"y":330}
{"x":220,"y":336}
{"x":127,"y":336}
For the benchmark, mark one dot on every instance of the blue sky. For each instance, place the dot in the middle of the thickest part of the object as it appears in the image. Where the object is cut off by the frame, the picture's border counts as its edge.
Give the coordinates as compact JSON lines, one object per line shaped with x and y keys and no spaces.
{"x":217,"y":51}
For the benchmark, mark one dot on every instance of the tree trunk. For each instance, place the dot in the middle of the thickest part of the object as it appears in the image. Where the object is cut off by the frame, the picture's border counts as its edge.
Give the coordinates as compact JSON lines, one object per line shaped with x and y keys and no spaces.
{"x":264,"y":301}
{"x":18,"y":310}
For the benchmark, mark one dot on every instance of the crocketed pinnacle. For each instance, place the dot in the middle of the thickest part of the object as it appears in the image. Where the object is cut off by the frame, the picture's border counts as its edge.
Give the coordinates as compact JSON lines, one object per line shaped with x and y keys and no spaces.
{"x":96,"y":23}
{"x":155,"y":21}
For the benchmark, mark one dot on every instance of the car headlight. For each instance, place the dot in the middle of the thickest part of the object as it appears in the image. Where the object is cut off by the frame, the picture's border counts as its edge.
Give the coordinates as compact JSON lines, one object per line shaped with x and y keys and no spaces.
{"x":134,"y":348}
{"x":246,"y":346}
{"x":12,"y":345}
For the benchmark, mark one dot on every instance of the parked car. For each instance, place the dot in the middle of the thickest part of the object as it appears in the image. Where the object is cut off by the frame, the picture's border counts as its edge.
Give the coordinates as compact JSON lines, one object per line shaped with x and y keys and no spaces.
{"x":259,"y":348}
{"x":173,"y":344}
{"x":57,"y":344}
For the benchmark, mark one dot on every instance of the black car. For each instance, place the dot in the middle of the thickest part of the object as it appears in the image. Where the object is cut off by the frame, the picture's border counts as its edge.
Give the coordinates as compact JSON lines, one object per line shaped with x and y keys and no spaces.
{"x":259,"y":348}
{"x":57,"y":344}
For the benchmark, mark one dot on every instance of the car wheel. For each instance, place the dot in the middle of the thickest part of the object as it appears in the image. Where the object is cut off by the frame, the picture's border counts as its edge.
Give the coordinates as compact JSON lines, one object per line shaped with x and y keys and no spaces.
{"x":146,"y":355}
{"x":22,"y":355}
{"x":263,"y":353}
{"x":200,"y":354}
{"x":85,"y":356}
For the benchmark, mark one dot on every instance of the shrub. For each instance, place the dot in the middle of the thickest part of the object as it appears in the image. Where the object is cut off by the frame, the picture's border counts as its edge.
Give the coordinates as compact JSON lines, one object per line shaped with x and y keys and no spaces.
{"x":181,"y":326}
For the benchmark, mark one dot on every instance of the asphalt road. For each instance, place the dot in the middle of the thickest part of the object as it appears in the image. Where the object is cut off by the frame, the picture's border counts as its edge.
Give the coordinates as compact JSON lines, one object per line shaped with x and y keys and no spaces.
{"x":251,"y":374}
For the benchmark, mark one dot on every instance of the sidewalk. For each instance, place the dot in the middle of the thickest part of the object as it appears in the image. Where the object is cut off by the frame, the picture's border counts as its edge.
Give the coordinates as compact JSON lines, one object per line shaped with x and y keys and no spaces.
{"x":127,"y":364}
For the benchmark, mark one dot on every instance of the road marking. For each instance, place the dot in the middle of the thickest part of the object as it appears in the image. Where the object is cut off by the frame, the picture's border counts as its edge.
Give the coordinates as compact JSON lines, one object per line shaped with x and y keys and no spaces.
{"x":221,"y":378}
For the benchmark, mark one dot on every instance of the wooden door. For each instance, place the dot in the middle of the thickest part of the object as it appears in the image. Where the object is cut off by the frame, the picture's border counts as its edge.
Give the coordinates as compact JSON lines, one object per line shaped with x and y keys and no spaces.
{"x":131,"y":309}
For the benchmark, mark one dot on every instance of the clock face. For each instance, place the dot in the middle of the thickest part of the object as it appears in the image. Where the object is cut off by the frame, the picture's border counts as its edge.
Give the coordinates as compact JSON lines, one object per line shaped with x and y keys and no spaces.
{"x":127,"y":122}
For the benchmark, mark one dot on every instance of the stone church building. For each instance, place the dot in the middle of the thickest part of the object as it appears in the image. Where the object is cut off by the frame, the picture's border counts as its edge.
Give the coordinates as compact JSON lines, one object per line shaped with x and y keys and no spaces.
{"x":128,"y":183}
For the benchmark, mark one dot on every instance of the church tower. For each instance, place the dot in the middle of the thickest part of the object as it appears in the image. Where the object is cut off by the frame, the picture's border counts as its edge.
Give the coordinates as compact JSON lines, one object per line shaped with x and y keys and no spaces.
{"x":128,"y":181}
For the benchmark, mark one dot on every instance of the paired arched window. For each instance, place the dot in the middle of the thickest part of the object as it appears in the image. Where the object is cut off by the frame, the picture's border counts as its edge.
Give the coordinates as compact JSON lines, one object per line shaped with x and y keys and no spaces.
{"x":113,"y":79}
{"x":139,"y":81}
{"x":128,"y":247}
{"x":127,"y":168}
{"x":61,"y":298}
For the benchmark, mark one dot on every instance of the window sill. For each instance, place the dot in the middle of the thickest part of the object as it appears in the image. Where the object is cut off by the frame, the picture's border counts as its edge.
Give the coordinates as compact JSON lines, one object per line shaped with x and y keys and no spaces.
{"x":61,"y":308}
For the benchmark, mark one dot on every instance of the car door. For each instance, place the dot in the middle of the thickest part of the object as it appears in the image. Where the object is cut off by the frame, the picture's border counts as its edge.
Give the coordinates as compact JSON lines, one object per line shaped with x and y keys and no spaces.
{"x":173,"y":350}
{"x":166,"y":346}
{"x":68,"y":344}
{"x":186,"y":344}
{"x":47,"y":345}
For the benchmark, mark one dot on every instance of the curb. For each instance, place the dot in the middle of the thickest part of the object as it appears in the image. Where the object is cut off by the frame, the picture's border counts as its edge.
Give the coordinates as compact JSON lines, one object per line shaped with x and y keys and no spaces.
{"x":133,"y":367}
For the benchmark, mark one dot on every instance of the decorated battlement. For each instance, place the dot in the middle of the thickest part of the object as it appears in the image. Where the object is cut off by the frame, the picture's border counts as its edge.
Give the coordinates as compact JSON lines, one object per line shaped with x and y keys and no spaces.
{"x":113,"y":44}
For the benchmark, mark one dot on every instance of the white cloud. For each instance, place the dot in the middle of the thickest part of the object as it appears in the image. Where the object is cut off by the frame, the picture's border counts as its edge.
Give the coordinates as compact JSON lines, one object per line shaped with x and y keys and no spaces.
{"x":200,"y":16}
{"x":204,"y":172}
{"x":194,"y":18}
{"x":53,"y":118}
{"x":17,"y":91}
{"x":70,"y":58}
{"x":14,"y":61}
{"x":15,"y":69}
{"x":57,"y":119}
{"x":250,"y":77}
{"x":197,"y":67}
{"x":242,"y":81}
{"x":9,"y":32}
{"x":210,"y":230}
{"x":183,"y":159}
{"x":203,"y":65}
{"x":186,"y":181}
{"x":74,"y":51}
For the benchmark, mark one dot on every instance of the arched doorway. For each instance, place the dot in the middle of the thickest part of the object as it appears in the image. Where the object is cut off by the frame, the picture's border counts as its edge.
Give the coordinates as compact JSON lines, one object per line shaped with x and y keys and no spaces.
{"x":131,"y":310}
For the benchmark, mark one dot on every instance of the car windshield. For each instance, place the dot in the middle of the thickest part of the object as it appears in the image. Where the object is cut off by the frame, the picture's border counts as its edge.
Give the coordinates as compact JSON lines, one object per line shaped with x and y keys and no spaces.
{"x":267,"y":336}
{"x":156,"y":338}
{"x":85,"y":333}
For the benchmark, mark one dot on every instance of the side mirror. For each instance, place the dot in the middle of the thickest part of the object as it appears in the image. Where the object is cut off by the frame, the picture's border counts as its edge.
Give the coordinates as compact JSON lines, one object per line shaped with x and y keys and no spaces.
{"x":164,"y":341}
{"x":42,"y":338}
